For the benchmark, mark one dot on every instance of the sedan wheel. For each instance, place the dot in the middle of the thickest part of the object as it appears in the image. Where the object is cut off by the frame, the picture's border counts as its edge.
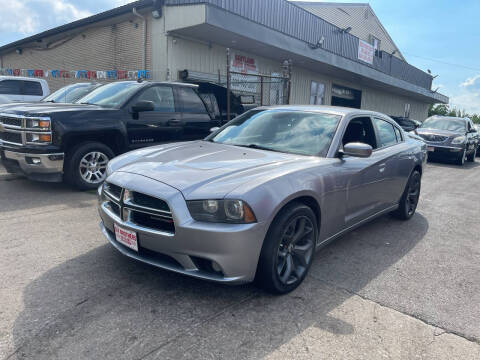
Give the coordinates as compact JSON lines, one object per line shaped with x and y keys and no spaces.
{"x":461,"y":160}
{"x":295,"y":250}
{"x":409,"y":201}
{"x":413,"y":195}
{"x":472,"y":157}
{"x":288,"y":249}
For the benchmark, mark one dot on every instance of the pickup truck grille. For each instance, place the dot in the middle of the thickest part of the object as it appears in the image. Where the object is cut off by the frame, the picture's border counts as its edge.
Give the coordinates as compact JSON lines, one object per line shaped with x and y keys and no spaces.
{"x":20,"y":130}
{"x":138,"y":209}
{"x":11,"y":121}
{"x":11,"y":138}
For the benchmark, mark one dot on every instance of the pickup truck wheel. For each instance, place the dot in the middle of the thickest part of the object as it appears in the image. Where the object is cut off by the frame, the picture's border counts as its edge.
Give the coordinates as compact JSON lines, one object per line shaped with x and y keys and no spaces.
{"x":288,"y":250}
{"x":86,"y":167}
{"x":411,"y":195}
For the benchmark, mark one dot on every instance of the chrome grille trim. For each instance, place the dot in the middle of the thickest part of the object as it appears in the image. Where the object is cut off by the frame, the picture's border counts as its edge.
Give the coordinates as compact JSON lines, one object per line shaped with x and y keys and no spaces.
{"x":147,"y":210}
{"x":168,"y":217}
{"x":134,"y":226}
{"x":165,"y":216}
{"x":21,"y":128}
{"x":434,"y":138}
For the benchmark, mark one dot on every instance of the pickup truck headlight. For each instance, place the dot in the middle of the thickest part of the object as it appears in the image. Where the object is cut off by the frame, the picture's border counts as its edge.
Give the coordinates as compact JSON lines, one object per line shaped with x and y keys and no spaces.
{"x":39,"y":124}
{"x":221,"y":211}
{"x":43,"y":139}
{"x":459,"y":140}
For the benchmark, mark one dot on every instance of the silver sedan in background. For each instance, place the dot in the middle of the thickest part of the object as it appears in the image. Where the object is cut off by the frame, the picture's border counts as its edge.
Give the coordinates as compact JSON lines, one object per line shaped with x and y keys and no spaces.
{"x":255,"y":199}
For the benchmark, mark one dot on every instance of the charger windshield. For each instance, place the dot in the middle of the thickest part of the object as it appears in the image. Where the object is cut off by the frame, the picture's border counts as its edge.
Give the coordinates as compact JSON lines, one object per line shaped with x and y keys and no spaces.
{"x":295,"y":132}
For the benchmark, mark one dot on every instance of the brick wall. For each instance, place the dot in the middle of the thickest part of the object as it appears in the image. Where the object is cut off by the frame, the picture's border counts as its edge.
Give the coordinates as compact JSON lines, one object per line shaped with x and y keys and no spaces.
{"x":117,"y":45}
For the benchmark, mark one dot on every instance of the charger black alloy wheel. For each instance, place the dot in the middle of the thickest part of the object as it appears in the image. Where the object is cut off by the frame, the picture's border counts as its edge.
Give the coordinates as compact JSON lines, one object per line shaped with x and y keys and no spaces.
{"x":295,"y":250}
{"x":409,"y":201}
{"x":413,"y":194}
{"x":288,"y":250}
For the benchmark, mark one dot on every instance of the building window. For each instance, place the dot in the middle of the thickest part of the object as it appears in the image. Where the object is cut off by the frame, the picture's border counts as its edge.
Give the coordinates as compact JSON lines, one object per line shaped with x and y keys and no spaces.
{"x":317,"y":93}
{"x":375,"y":42}
{"x":407,"y":111}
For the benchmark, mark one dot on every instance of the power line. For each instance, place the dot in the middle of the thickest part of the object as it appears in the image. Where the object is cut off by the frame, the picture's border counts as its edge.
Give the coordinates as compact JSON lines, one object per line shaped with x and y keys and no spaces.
{"x":443,"y":62}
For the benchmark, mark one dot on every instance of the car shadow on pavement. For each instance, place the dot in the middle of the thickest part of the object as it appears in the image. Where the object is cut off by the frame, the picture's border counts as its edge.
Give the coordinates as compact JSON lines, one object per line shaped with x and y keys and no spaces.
{"x":104,"y":305}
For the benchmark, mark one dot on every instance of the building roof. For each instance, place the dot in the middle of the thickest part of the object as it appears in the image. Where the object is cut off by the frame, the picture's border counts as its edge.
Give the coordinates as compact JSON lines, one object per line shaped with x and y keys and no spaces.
{"x":121,"y":10}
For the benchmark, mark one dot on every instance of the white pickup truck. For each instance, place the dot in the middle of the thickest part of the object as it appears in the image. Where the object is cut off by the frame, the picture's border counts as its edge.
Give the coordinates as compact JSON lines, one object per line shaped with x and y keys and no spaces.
{"x":22,"y":89}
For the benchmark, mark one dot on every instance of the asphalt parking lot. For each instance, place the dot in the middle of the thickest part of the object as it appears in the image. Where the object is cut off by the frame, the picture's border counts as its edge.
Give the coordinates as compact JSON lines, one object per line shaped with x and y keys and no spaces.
{"x":391,"y":289}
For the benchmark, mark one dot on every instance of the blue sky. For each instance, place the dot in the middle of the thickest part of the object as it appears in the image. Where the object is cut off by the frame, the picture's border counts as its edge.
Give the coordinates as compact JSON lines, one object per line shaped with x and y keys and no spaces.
{"x":440,"y":35}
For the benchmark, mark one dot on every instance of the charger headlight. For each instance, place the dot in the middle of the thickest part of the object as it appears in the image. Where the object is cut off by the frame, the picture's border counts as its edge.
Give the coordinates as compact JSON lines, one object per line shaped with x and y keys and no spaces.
{"x":221,"y":211}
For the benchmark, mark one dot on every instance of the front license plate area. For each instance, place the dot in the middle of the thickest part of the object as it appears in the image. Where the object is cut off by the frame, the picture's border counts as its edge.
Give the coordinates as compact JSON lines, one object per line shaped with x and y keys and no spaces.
{"x":430,"y":148}
{"x":126,"y":237}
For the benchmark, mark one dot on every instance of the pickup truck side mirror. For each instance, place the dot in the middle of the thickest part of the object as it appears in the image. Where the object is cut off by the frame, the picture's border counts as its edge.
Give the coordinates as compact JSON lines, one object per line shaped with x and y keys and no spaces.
{"x":357,"y":149}
{"x":142,"y":106}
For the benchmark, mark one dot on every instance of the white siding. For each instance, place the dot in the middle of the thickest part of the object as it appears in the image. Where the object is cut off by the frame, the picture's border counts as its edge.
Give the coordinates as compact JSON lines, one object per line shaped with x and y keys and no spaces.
{"x":360,"y":17}
{"x":210,"y":58}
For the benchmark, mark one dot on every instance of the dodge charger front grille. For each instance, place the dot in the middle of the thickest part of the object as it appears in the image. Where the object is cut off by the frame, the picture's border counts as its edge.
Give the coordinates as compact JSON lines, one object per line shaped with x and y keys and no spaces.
{"x":138,"y":209}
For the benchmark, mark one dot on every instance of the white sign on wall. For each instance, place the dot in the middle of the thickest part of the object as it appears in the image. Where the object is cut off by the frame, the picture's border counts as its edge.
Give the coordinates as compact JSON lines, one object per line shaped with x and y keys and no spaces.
{"x":365,"y":51}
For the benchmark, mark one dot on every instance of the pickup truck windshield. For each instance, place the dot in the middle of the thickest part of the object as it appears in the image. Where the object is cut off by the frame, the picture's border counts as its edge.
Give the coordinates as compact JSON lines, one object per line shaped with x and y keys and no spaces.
{"x":70,"y":93}
{"x":455,"y":125}
{"x":295,"y":132}
{"x":112,"y":95}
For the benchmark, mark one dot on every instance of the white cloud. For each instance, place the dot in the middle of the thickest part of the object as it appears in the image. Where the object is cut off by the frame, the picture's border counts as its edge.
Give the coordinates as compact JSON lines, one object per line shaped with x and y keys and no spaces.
{"x":121,"y":2}
{"x":470,"y":102}
{"x":65,"y":11}
{"x":28,"y":17}
{"x":15,"y":17}
{"x":471,"y":81}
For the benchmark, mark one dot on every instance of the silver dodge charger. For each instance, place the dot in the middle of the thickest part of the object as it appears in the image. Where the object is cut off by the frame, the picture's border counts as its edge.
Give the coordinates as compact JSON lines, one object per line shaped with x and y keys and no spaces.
{"x":255,"y":199}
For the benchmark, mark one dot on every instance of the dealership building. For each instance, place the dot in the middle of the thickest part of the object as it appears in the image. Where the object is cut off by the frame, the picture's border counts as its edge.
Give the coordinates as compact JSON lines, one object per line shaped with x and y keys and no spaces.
{"x":336,"y":54}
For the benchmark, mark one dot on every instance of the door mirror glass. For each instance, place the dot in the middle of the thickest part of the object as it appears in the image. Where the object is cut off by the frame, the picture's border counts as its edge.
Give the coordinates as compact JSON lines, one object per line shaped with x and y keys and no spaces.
{"x":357,"y":149}
{"x":143,"y":105}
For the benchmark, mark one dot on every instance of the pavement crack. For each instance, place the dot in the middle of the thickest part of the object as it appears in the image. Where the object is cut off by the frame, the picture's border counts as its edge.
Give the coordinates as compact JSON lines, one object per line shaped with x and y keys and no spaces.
{"x":82,"y":302}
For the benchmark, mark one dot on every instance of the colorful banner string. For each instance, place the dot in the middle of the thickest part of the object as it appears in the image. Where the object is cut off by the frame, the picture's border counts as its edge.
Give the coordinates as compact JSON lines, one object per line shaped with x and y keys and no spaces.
{"x":79,"y":74}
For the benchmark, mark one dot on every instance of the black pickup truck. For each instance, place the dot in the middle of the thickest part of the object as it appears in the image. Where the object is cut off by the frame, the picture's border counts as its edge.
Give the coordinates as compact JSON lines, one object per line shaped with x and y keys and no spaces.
{"x":74,"y":142}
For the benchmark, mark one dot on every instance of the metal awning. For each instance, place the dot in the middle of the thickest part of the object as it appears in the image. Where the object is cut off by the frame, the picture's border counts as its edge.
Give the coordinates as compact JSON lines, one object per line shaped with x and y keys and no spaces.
{"x":211,"y":23}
